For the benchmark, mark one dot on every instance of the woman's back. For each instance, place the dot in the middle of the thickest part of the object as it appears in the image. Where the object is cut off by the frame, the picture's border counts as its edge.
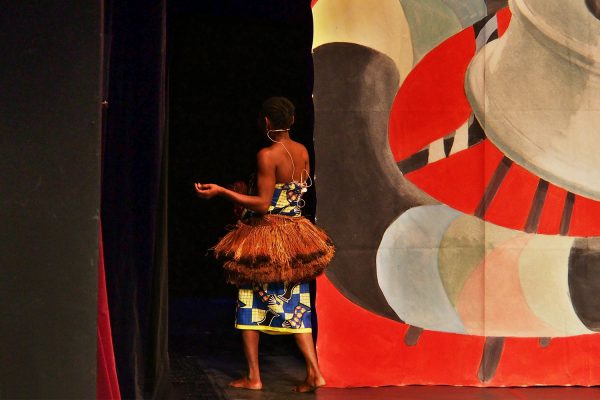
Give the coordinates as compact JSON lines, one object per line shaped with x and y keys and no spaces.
{"x":291,"y":161}
{"x":289,"y":166}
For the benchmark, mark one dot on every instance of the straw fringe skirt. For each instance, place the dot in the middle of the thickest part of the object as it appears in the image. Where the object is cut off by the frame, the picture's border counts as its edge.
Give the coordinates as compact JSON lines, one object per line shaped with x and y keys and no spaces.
{"x":274,"y":248}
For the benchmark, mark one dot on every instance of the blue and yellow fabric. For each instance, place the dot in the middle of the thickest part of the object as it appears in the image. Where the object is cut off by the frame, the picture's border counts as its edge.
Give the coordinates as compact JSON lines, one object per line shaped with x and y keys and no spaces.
{"x":276,"y":308}
{"x":286,"y":200}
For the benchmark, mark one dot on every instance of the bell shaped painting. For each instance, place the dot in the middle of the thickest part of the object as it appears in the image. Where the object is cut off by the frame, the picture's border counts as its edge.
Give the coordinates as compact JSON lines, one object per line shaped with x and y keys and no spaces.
{"x":458,"y":173}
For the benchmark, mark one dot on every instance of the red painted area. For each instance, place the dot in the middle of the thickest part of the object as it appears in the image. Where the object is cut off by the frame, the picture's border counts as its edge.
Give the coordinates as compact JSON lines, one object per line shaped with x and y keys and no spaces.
{"x":552,"y":211}
{"x":313,"y":2}
{"x":358,"y":348}
{"x":447,"y":181}
{"x":460,"y":180}
{"x":513,"y":201}
{"x":428,"y":109}
{"x":566,"y":361}
{"x":503,"y":18}
{"x":585,"y":220}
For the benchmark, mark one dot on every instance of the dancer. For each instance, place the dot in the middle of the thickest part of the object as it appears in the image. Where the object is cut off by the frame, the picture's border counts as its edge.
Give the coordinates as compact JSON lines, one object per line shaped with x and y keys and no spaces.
{"x":273,"y":251}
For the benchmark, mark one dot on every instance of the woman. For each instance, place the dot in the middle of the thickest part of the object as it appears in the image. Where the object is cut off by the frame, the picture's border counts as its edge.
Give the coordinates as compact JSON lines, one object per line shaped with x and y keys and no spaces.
{"x":273,"y":251}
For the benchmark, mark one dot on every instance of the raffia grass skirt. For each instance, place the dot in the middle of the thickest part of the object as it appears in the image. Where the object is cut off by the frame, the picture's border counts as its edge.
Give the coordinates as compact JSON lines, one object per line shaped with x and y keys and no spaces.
{"x":274,"y":248}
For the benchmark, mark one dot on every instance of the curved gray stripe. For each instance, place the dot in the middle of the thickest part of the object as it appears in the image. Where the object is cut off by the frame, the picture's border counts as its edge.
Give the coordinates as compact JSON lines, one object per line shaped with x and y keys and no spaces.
{"x":486,"y":32}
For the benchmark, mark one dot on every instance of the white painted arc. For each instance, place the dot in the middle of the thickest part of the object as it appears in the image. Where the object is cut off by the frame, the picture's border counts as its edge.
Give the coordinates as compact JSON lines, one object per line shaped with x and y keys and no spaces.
{"x":408,"y":272}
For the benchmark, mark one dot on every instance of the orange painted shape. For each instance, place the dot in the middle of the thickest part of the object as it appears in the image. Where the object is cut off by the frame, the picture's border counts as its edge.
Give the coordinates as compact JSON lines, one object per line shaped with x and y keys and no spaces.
{"x":492,"y":301}
{"x":552,"y":211}
{"x":505,"y":303}
{"x":432,"y":102}
{"x":470,"y":302}
{"x":510,"y":207}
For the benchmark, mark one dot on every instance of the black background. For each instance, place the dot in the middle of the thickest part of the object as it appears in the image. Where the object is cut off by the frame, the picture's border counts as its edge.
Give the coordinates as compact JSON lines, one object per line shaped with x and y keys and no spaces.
{"x":225,"y":58}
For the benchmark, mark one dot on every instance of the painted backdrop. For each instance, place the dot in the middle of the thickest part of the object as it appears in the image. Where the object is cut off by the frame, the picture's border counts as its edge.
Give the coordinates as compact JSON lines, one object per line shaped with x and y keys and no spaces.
{"x":458,"y":174}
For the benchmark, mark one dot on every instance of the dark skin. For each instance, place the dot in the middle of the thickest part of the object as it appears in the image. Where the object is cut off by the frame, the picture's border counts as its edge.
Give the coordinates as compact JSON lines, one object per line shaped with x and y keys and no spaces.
{"x":273,"y":166}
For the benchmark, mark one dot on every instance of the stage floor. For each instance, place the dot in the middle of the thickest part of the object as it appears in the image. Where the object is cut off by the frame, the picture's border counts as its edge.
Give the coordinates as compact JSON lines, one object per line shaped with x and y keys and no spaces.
{"x":206,"y":354}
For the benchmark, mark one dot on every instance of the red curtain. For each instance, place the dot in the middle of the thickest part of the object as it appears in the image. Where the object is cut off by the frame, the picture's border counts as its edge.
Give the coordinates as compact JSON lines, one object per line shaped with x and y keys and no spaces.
{"x":107,"y":385}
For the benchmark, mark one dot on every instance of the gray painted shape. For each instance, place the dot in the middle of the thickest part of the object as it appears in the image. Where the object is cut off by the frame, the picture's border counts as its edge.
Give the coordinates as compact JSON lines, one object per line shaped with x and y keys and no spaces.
{"x":467,"y":11}
{"x":360,"y":189}
{"x":408,"y":269}
{"x":584,"y":285}
{"x":493,"y":6}
{"x":431,"y":22}
{"x":492,"y":352}
{"x":411,"y":338}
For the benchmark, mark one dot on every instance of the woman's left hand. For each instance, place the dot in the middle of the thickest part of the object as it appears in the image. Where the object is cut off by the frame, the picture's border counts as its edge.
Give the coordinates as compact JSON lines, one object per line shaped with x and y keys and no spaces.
{"x":207,"y":190}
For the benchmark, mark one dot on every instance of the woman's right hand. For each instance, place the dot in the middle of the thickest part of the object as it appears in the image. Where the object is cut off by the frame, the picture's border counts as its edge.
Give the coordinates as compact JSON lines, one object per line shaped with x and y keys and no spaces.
{"x":207,"y":190}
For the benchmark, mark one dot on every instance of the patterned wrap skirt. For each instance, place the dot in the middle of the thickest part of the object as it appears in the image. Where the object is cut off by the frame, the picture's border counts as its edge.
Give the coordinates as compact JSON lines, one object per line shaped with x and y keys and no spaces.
{"x":275,"y":308}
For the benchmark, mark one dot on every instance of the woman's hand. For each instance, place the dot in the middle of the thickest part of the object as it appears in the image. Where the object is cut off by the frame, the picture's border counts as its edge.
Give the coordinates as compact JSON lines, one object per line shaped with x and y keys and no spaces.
{"x":266,"y":186}
{"x":207,"y":190}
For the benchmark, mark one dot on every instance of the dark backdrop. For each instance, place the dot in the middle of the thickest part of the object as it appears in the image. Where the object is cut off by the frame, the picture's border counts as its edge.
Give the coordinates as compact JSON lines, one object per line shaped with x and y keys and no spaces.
{"x":225,"y":58}
{"x":134,"y":185}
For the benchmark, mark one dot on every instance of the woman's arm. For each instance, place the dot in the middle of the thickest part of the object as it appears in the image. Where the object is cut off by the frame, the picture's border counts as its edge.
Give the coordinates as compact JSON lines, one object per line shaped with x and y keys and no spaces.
{"x":265,"y":182}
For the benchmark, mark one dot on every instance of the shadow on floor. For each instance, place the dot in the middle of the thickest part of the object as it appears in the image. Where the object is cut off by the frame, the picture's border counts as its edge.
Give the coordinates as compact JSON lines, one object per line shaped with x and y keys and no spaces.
{"x":206,"y":354}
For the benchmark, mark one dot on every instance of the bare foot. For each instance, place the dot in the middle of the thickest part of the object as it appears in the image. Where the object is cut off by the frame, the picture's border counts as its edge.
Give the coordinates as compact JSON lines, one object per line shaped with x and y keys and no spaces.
{"x":246,"y":383}
{"x":310,"y":385}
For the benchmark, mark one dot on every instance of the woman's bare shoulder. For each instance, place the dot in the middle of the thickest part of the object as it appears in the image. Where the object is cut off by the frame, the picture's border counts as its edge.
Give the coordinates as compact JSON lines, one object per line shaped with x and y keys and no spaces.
{"x":300,"y":147}
{"x":265,"y":156}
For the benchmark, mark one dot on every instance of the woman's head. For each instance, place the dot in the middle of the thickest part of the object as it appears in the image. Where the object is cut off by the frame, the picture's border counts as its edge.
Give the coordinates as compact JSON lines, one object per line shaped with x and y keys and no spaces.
{"x":279,"y":111}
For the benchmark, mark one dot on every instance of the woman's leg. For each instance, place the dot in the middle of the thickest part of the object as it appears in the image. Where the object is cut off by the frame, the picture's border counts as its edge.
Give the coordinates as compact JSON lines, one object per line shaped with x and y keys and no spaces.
{"x":314,"y":379}
{"x":252,"y":380}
